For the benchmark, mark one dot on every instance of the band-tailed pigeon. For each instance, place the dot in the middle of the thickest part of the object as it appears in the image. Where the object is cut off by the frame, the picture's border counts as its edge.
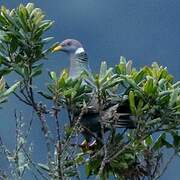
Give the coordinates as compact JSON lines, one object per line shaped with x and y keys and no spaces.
{"x":91,"y":120}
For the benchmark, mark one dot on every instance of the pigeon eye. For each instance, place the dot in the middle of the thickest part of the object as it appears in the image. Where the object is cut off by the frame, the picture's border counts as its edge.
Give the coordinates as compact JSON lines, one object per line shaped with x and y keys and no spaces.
{"x":69,"y":43}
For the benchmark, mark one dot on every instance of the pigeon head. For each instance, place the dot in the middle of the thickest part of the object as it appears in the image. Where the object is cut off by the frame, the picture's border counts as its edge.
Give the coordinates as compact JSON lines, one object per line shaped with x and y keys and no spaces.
{"x":69,"y":46}
{"x":77,"y":56}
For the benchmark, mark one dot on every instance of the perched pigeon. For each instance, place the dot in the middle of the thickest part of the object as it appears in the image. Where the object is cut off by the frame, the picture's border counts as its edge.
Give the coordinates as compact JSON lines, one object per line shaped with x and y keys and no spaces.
{"x":91,"y":120}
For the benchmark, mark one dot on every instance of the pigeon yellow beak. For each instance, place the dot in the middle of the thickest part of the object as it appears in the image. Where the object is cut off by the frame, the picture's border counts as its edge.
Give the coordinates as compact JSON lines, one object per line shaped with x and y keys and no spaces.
{"x":57,"y":48}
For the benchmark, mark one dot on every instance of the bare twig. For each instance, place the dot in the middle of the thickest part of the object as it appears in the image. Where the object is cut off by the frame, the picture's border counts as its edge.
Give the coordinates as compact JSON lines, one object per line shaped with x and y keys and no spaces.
{"x":157,"y":165}
{"x":77,"y":121}
{"x":58,"y":144}
{"x":105,"y":158}
{"x":46,"y":135}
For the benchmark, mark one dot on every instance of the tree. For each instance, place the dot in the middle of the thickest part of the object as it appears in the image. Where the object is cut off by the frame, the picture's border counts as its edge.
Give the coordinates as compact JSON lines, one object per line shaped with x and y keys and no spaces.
{"x":148,"y":97}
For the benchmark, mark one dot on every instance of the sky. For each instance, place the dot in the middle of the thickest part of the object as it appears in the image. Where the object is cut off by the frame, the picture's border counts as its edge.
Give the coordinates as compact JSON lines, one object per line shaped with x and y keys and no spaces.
{"x":143,"y":31}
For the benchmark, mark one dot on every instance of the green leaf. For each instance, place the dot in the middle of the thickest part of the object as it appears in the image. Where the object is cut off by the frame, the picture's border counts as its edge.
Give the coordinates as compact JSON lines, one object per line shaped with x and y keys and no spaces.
{"x":3,"y":56}
{"x":35,"y":13}
{"x":47,"y":40}
{"x":158,"y":144}
{"x":106,"y":77}
{"x":2,"y":85}
{"x":148,"y":86}
{"x":131,"y":82}
{"x":128,"y":156}
{"x":19,"y":70}
{"x":23,"y":15}
{"x":5,"y":71}
{"x":53,"y":76}
{"x":173,"y":97}
{"x":177,"y":84}
{"x":140,"y":107}
{"x":37,"y":70}
{"x":103,"y":69}
{"x":121,"y":67}
{"x":149,"y":141}
{"x":132,"y":102}
{"x":9,"y":19}
{"x":44,"y":167}
{"x":129,"y":67}
{"x":79,"y":158}
{"x":161,"y":141}
{"x":88,"y":169}
{"x":44,"y":26}
{"x":140,"y":75}
{"x":176,"y":139}
{"x":11,"y":89}
{"x":29,"y":7}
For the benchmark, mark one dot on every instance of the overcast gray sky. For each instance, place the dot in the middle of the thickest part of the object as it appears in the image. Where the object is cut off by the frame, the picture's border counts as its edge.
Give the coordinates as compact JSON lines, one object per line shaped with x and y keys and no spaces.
{"x":141,"y":30}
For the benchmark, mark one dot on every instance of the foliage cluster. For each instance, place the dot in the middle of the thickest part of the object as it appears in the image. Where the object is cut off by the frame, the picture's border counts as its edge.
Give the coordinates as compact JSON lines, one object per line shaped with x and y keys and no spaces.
{"x":149,"y":98}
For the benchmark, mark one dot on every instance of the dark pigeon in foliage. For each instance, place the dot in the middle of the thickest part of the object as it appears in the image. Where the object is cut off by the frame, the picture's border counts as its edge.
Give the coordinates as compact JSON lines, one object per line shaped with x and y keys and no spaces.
{"x":114,"y":114}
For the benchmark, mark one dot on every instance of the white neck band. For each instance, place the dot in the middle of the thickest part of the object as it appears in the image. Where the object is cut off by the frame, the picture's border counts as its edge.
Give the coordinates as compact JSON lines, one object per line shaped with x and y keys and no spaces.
{"x":79,"y":50}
